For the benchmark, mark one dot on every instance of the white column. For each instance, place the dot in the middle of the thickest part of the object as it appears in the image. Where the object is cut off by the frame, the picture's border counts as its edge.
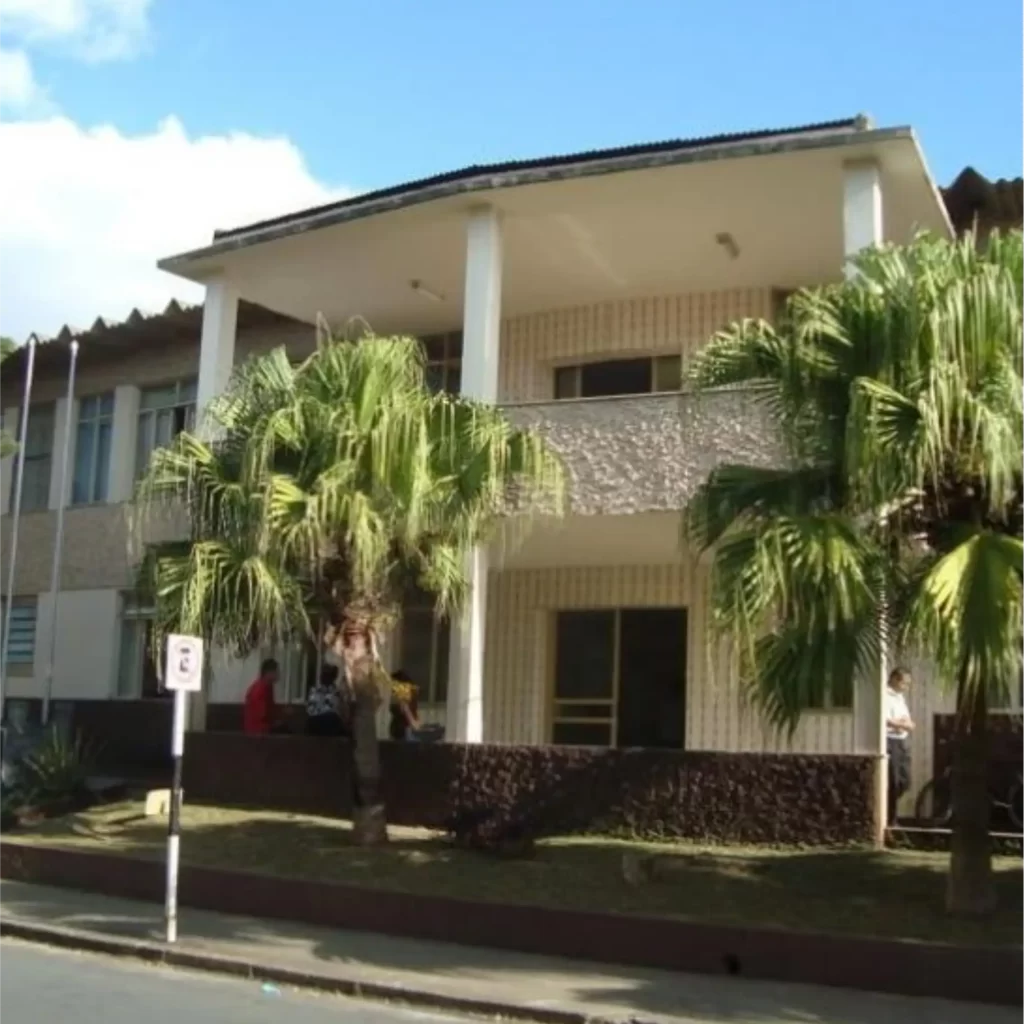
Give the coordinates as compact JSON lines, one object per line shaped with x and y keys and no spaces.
{"x":216,"y":360}
{"x":123,"y":434}
{"x":217,"y":343}
{"x":481,"y":312}
{"x":481,"y":326}
{"x":10,"y":425}
{"x":862,"y":228}
{"x":61,"y":414}
{"x":862,"y":208}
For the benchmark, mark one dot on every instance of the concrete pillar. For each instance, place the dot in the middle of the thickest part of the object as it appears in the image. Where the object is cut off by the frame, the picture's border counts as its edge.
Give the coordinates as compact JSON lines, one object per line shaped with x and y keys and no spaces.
{"x":862,"y":208}
{"x":216,"y":361}
{"x":862,"y":228}
{"x":217,"y":343}
{"x":123,"y":436}
{"x":481,"y":327}
{"x":10,"y":426}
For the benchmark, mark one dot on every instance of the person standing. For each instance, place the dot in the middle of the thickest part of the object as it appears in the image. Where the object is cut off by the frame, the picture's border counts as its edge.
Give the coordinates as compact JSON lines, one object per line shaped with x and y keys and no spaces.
{"x":898,"y":727}
{"x":260,"y":715}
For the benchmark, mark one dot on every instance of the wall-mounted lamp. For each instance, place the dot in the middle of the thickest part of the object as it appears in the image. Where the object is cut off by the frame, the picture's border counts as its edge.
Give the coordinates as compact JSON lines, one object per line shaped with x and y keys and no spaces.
{"x":421,"y":289}
{"x":728,"y":243}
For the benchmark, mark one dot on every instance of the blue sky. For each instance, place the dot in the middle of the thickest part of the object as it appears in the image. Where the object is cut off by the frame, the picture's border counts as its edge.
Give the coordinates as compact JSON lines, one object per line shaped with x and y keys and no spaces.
{"x":360,"y":95}
{"x":379,"y":91}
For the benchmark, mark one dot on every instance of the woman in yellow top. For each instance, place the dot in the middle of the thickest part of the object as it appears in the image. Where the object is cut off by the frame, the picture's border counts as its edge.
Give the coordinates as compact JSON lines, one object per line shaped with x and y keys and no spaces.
{"x":403,"y":706}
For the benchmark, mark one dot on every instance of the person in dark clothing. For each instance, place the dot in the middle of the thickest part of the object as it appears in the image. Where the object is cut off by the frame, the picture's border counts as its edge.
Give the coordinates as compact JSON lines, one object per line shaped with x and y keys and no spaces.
{"x":325,"y":708}
{"x":403,"y":706}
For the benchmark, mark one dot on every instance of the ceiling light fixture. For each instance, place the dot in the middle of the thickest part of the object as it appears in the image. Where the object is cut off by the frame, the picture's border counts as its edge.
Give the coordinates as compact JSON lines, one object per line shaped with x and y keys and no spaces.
{"x":728,"y":243}
{"x":421,"y":289}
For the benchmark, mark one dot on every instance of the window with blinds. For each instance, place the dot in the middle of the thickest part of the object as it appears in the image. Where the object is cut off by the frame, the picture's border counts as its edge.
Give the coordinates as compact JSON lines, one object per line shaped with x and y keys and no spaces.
{"x":21,"y":647}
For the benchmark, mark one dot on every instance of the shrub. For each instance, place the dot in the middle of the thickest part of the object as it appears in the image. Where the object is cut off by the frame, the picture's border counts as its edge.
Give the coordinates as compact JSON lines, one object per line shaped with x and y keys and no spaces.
{"x":58,"y":769}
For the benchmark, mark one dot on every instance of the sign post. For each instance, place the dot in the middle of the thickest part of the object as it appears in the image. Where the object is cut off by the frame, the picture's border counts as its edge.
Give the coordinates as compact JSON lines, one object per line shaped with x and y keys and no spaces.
{"x":183,"y":675}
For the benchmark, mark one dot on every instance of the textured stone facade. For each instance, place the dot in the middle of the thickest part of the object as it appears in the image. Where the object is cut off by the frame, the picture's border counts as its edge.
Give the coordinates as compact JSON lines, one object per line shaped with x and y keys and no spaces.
{"x":649,"y":453}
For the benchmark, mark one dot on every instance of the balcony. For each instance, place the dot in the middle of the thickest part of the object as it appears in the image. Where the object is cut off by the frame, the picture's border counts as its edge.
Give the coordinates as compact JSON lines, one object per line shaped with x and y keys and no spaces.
{"x":649,"y":453}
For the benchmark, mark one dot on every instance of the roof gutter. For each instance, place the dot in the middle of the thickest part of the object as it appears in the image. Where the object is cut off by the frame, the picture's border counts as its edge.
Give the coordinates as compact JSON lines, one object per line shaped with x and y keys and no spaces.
{"x":488,"y":181}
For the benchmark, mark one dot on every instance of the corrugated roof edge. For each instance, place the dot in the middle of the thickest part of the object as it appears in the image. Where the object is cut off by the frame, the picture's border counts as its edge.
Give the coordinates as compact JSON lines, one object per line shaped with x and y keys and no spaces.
{"x":476,"y":177}
{"x":102,"y":325}
{"x":135,"y":325}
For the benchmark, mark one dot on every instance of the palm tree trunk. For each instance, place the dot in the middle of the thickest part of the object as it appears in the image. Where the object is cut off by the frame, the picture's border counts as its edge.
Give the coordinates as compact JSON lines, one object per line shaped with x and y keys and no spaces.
{"x":369,"y":822}
{"x":970,"y":889}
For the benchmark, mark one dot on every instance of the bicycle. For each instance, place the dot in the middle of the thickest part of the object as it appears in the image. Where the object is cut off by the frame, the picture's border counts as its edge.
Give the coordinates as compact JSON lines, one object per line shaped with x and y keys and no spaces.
{"x":935,"y":805}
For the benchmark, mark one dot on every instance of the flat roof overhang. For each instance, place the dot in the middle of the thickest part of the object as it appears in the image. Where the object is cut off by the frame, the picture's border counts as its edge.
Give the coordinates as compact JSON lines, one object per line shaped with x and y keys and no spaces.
{"x":627,"y":223}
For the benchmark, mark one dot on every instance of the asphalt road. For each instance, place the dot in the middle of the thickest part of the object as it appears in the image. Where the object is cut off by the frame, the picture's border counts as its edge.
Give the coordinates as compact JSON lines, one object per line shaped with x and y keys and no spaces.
{"x":42,"y":984}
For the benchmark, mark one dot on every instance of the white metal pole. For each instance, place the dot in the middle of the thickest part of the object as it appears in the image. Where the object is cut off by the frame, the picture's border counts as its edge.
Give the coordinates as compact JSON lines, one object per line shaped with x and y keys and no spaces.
{"x":12,"y":555}
{"x":174,"y":814}
{"x":58,"y":545}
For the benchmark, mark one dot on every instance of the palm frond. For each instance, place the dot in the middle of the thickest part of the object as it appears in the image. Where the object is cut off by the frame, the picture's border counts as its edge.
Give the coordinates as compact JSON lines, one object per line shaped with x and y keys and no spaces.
{"x":326,"y":487}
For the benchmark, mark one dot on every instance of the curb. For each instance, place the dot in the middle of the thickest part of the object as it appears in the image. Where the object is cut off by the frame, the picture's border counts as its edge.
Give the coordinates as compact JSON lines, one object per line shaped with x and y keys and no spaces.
{"x":351,"y":986}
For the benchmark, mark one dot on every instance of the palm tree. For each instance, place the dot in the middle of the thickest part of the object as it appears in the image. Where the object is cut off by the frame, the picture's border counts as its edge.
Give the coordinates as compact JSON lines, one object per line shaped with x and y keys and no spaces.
{"x":330,"y":488}
{"x":896,"y":519}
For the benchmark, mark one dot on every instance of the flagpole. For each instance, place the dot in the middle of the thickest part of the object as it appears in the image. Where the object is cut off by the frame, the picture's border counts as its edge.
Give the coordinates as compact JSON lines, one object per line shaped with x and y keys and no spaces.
{"x":58,"y":546}
{"x":19,"y":479}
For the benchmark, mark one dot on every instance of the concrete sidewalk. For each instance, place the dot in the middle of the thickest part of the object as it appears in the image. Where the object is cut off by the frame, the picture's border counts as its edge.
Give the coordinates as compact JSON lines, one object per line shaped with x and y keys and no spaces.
{"x":479,"y":981}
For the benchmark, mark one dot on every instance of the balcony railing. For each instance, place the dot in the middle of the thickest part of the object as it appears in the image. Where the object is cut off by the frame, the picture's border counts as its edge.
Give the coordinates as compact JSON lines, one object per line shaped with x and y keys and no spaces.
{"x":649,"y":453}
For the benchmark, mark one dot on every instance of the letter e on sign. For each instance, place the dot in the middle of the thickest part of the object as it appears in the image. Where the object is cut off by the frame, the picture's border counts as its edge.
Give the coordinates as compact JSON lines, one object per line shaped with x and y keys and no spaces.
{"x":184,"y":663}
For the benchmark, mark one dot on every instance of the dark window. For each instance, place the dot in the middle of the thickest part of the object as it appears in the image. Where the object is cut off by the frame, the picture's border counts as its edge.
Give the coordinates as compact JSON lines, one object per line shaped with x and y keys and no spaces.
{"x":620,"y":677}
{"x":164,"y":413}
{"x":35,"y":491}
{"x":582,"y":734}
{"x":610,"y":377}
{"x":652,"y":673}
{"x":424,"y":647}
{"x":585,"y":655}
{"x":443,"y":370}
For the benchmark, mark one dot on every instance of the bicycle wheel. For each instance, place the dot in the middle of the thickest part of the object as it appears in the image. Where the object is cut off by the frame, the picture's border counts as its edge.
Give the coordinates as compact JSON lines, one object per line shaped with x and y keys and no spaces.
{"x":1014,"y":807}
{"x":933,"y":804}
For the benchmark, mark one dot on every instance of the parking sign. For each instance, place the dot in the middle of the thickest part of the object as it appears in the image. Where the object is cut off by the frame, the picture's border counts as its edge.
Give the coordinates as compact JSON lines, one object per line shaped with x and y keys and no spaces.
{"x":184,"y":663}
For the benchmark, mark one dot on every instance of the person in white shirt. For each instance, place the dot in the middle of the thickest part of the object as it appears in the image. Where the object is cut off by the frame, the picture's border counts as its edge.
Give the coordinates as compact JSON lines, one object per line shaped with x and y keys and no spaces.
{"x":898,"y":727}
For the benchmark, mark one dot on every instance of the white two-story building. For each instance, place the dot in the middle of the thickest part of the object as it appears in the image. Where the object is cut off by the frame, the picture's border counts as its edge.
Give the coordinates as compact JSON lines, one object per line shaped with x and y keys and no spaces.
{"x":571,"y":291}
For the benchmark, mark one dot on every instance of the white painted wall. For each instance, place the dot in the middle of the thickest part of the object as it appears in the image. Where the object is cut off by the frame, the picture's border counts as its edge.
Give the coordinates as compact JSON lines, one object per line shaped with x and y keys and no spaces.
{"x":86,"y":655}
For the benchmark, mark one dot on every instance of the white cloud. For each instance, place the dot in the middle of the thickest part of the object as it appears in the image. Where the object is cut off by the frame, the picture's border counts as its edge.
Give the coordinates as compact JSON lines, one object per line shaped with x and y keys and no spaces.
{"x":19,"y":90}
{"x":85,"y":214}
{"x":94,"y":30}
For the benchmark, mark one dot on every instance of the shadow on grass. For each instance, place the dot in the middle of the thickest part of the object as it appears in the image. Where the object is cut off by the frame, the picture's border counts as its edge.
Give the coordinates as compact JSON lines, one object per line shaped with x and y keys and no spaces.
{"x":860,"y":892}
{"x":894,"y":895}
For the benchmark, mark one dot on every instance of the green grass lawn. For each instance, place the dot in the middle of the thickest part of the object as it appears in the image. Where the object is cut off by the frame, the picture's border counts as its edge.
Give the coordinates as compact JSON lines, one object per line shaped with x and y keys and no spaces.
{"x":895,"y":893}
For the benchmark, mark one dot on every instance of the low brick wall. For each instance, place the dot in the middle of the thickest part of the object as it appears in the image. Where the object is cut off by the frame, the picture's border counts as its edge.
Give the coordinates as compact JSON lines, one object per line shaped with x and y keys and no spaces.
{"x":132,"y":736}
{"x":734,"y":798}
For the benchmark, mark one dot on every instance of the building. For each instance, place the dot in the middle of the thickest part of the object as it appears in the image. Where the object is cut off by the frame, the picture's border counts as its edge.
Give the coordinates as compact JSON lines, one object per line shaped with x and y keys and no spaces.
{"x":571,"y":290}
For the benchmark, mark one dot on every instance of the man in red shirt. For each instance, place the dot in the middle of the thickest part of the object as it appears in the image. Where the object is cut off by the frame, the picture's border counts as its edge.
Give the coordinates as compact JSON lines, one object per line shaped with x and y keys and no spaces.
{"x":260,"y":714}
